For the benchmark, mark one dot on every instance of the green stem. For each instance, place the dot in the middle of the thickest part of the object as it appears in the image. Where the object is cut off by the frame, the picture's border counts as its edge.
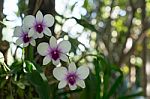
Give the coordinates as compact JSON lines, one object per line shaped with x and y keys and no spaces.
{"x":29,"y":53}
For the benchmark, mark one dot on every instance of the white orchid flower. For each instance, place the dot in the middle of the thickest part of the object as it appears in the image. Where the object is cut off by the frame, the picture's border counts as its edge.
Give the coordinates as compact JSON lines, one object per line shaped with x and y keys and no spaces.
{"x":22,"y":33}
{"x":39,"y":24}
{"x":72,"y":76}
{"x":54,"y":51}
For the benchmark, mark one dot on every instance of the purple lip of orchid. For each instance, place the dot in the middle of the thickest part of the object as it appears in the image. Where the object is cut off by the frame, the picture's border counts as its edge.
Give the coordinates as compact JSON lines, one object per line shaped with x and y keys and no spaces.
{"x":39,"y":27}
{"x":55,"y":54}
{"x":26,"y":38}
{"x":71,"y":78}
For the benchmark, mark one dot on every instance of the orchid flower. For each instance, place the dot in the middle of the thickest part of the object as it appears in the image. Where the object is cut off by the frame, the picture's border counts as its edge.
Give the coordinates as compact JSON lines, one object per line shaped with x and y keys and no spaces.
{"x":39,"y":24}
{"x":22,"y":33}
{"x":72,"y":76}
{"x":54,"y":51}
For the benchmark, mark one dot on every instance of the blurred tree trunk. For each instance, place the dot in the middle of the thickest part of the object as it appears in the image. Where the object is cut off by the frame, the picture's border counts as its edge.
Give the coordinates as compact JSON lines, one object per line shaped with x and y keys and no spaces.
{"x":144,"y":84}
{"x":144,"y":76}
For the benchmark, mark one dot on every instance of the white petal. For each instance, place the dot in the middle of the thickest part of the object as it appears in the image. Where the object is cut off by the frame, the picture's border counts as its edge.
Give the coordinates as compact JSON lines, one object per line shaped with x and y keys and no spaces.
{"x":73,"y":87}
{"x":46,"y":60}
{"x":47,"y":31}
{"x":64,"y":57}
{"x":81,"y":83}
{"x":42,"y":48}
{"x":35,"y":36}
{"x":31,"y":32}
{"x":32,"y":42}
{"x":25,"y":44}
{"x":60,"y":73}
{"x":25,"y":29}
{"x":1,"y":57}
{"x":48,"y":20}
{"x":72,"y":67}
{"x":39,"y":17}
{"x":83,"y":72}
{"x":62,"y":84}
{"x":39,"y":35}
{"x":18,"y":31}
{"x":56,"y":62}
{"x":64,"y":46}
{"x":29,"y":21}
{"x":53,"y":42}
{"x":19,"y":41}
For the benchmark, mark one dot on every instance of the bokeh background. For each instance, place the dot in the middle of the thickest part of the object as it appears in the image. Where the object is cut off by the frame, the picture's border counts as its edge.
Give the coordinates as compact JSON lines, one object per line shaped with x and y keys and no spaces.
{"x":119,"y":30}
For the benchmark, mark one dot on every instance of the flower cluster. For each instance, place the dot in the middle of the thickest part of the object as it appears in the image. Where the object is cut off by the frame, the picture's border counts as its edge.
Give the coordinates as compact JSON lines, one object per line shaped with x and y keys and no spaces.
{"x":35,"y":27}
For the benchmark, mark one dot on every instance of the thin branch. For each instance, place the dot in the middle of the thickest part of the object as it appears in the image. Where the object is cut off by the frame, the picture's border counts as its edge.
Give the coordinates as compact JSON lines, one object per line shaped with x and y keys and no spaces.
{"x":141,"y":36}
{"x":130,"y":19}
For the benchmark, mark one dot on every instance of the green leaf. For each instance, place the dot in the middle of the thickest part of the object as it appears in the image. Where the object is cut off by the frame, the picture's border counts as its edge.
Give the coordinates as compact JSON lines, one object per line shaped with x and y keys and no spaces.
{"x":85,"y":4}
{"x":86,"y":24}
{"x":131,"y":96}
{"x":2,"y":83}
{"x":28,"y":66}
{"x":21,"y":85}
{"x":40,"y":85}
{"x":97,"y":70}
{"x":114,"y":87}
{"x":16,"y":67}
{"x":69,"y":92}
{"x":74,"y":45}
